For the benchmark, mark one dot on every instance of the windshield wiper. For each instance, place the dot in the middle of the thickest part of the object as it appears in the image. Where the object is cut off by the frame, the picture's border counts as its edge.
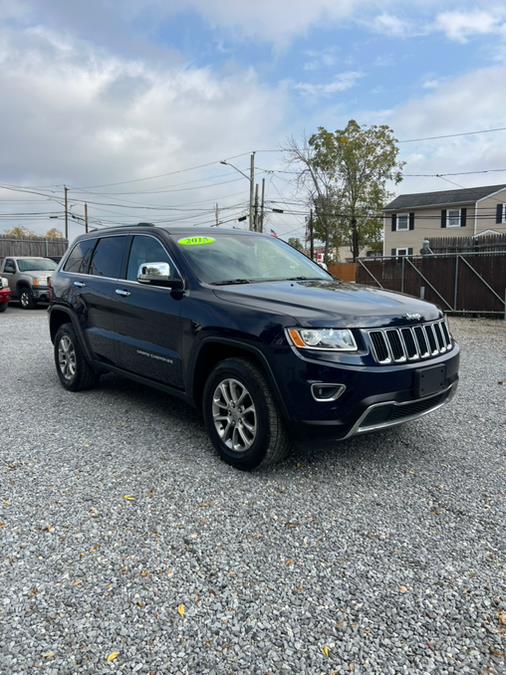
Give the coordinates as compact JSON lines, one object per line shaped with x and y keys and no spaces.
{"x":303,"y":279}
{"x":229,"y":282}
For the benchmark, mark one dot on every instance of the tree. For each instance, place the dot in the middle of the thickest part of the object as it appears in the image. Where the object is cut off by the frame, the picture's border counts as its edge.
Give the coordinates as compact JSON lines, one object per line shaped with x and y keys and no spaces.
{"x":19,"y":232}
{"x":295,"y":243}
{"x":53,"y":233}
{"x":345,"y":174}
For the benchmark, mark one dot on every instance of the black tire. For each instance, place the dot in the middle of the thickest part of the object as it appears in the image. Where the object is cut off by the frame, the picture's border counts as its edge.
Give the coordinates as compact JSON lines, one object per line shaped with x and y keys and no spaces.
{"x":26,"y":299}
{"x":270,"y":442}
{"x":79,"y":377}
{"x":3,"y":307}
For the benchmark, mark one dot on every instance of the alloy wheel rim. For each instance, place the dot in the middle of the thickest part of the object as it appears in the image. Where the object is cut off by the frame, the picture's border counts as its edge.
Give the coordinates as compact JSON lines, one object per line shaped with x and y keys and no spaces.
{"x":234,"y":415}
{"x":24,"y":299}
{"x":67,"y":358}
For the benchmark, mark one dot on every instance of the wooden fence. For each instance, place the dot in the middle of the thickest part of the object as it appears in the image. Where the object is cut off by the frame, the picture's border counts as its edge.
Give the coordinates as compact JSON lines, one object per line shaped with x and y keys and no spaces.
{"x":489,"y":242}
{"x":461,"y":283}
{"x":36,"y":246}
{"x":344,"y":271}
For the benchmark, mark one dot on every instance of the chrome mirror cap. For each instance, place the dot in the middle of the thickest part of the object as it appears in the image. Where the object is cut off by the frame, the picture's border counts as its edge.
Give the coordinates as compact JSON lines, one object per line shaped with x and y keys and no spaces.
{"x":153,"y":272}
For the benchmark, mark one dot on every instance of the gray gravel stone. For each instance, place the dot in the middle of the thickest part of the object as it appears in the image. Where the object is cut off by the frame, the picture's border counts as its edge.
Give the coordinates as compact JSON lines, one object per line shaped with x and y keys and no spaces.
{"x":387,"y":549}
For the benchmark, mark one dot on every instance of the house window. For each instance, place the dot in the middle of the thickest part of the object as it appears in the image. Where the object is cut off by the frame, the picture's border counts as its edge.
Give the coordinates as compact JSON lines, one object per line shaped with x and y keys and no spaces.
{"x":401,"y":251}
{"x":402,"y":221}
{"x":453,"y":218}
{"x":503,"y":220}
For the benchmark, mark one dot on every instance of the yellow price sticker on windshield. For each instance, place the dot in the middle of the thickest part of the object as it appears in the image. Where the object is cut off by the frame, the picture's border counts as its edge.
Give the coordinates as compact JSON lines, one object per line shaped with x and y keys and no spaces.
{"x":196,"y":241}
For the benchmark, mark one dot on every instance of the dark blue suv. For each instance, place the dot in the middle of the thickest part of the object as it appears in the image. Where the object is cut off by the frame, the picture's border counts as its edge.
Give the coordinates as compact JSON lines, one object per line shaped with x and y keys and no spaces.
{"x":264,"y":341}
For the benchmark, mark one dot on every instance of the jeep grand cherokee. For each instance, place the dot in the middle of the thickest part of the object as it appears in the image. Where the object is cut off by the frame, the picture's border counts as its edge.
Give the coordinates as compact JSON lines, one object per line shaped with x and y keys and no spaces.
{"x":263,"y":340}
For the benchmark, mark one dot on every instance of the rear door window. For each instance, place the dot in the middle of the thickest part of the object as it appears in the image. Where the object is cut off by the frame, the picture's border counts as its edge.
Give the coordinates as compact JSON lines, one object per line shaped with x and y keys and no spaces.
{"x":109,"y":257}
{"x":79,"y":259}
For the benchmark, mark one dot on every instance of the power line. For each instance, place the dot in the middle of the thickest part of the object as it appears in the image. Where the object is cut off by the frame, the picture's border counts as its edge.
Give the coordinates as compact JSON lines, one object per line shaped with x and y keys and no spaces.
{"x":456,"y":135}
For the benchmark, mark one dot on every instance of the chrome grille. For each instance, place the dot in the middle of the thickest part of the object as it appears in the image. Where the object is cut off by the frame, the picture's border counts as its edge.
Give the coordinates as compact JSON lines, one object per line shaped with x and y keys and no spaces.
{"x":409,"y":343}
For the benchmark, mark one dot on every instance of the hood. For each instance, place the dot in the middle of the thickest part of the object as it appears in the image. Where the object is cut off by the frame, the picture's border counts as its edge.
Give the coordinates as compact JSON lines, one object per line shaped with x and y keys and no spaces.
{"x":330,"y":303}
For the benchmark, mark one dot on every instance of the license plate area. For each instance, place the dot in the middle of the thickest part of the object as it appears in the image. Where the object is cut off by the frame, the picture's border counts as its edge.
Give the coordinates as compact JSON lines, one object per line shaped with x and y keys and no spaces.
{"x":430,"y":380}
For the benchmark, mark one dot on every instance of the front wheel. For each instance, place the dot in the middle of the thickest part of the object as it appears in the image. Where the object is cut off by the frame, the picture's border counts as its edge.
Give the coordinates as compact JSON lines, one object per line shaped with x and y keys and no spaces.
{"x":26,"y":299}
{"x":241,"y":416}
{"x":3,"y":307}
{"x":74,"y":371}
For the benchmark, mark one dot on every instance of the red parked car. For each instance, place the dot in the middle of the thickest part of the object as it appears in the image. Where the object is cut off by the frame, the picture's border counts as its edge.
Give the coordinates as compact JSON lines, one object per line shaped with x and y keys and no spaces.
{"x":5,"y":294}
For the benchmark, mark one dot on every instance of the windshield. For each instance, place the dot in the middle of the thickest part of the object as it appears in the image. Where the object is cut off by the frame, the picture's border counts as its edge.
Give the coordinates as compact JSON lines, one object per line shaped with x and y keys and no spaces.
{"x":235,"y":259}
{"x":36,"y":265}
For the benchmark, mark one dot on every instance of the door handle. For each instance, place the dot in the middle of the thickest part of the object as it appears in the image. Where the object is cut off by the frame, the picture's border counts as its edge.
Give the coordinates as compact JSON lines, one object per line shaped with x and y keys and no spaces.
{"x":122,"y":292}
{"x":79,"y":284}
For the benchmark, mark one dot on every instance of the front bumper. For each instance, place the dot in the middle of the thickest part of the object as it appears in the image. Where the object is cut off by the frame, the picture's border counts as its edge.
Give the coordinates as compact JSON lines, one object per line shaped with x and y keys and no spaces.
{"x":376,"y":397}
{"x":41,"y":293}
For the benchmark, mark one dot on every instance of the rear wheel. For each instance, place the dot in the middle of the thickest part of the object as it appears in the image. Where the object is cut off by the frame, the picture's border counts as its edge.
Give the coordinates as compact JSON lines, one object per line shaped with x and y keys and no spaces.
{"x":26,"y":298}
{"x":241,"y":416}
{"x":3,"y":307}
{"x":74,"y":371}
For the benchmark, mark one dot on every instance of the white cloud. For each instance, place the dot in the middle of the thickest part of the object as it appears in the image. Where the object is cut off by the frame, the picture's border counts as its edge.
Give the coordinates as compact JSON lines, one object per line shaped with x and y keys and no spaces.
{"x":75,"y":115}
{"x":341,"y":82}
{"x":461,"y":25}
{"x":391,"y":25}
{"x":457,"y":106}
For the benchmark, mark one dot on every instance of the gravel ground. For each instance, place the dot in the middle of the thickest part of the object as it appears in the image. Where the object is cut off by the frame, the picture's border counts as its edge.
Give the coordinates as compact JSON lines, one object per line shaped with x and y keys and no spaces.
{"x":383,"y":555}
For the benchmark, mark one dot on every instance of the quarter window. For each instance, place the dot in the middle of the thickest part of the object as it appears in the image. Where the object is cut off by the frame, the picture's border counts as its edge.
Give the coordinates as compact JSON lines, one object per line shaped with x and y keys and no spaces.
{"x":403,"y":221}
{"x":143,"y":250}
{"x":10,"y":266}
{"x":109,"y":257}
{"x":79,"y":259}
{"x":453,"y":218}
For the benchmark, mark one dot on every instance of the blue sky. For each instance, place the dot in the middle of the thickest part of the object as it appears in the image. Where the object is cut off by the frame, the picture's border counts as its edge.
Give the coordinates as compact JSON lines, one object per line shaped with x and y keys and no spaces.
{"x":103,"y":92}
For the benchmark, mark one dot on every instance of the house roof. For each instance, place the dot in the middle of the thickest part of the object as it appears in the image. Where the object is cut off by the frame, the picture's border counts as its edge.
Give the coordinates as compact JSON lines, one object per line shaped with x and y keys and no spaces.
{"x":442,"y":197}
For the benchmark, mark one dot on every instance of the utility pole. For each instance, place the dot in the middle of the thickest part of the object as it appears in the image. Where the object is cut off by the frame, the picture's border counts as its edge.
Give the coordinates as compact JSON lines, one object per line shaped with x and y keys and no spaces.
{"x":255,"y":219}
{"x":252,"y":221}
{"x":66,"y":213}
{"x":262,"y":207}
{"x":311,"y":236}
{"x":86,"y":217}
{"x":217,"y":214}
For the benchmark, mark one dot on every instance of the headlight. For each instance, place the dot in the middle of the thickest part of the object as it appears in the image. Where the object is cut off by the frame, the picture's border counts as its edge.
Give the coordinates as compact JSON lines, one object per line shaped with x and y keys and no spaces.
{"x":328,"y":339}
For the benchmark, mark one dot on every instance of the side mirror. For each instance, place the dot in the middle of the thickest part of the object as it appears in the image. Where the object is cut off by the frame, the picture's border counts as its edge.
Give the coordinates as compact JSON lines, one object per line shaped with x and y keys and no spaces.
{"x":158,"y":274}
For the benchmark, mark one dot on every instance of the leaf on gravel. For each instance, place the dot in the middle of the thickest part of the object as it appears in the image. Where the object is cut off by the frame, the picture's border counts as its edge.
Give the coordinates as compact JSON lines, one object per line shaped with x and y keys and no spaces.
{"x":170,"y":573}
{"x":145,"y":573}
{"x":112,"y":657}
{"x":6,"y":503}
{"x":502,"y":618}
{"x":94,"y":512}
{"x":403,"y":589}
{"x":48,"y":655}
{"x":290,"y":562}
{"x":2,"y":525}
{"x":49,"y":528}
{"x":77,"y":583}
{"x":181,"y":609}
{"x":129,"y":498}
{"x":326,"y":650}
{"x":94,"y":548}
{"x":206,"y":505}
{"x":291,"y":525}
{"x":497,"y":653}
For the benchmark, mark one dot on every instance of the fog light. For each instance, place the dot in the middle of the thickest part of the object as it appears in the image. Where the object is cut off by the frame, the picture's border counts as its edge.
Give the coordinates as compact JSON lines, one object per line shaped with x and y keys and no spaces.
{"x":323,"y":391}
